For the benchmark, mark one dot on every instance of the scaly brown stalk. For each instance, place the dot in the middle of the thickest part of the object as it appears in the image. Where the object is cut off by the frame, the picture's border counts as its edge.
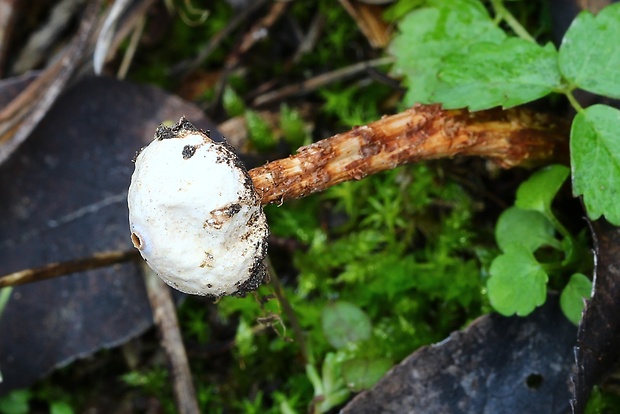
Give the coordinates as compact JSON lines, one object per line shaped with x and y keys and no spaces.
{"x":514,"y":137}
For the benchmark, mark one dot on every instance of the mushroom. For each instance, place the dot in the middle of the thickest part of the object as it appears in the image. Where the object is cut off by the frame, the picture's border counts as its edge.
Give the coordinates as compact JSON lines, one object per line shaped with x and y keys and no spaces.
{"x":196,"y":213}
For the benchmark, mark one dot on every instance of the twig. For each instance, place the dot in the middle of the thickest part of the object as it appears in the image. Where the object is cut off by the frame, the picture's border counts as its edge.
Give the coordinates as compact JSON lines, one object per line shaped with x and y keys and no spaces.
{"x":133,"y":16}
{"x":106,"y":35}
{"x":20,"y":117}
{"x":165,"y":317}
{"x":290,"y":312}
{"x":318,"y":81}
{"x":131,"y":48}
{"x":509,"y":138}
{"x":256,"y":33}
{"x":183,"y":69}
{"x":41,"y":41}
{"x":368,"y":20}
{"x":311,"y":37}
{"x":259,"y":30}
{"x":52,"y":270}
{"x":8,"y":17}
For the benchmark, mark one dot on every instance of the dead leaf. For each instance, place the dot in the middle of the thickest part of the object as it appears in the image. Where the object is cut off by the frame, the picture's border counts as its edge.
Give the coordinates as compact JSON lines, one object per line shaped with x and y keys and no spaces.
{"x":22,"y":114}
{"x":598,"y":339}
{"x":497,"y":365}
{"x":63,"y":197}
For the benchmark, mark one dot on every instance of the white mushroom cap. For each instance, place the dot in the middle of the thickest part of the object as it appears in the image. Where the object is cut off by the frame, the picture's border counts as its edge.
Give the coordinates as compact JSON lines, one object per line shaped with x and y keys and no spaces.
{"x":195,"y":216}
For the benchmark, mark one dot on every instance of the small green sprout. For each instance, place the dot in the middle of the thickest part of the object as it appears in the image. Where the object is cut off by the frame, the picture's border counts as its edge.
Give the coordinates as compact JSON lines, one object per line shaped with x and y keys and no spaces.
{"x":528,"y":235}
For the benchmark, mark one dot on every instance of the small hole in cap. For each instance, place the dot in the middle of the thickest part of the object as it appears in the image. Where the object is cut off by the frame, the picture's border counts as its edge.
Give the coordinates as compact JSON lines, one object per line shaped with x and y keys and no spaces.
{"x":136,"y":240}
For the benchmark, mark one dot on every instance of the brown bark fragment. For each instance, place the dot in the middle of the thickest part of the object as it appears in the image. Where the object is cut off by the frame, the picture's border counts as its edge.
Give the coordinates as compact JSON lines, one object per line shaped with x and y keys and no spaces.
{"x":515,"y":137}
{"x":165,"y":317}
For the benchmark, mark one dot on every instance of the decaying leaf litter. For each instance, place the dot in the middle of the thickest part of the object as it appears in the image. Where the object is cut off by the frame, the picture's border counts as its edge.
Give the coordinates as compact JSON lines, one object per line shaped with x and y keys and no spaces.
{"x":269,"y":20}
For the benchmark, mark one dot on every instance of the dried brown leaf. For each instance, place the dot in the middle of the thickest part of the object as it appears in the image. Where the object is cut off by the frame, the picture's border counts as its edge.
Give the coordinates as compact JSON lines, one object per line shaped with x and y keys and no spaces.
{"x":64,"y":198}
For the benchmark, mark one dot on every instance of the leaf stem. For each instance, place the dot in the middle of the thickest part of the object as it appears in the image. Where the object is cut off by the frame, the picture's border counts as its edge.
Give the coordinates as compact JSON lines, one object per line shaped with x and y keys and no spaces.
{"x":502,"y":13}
{"x":551,"y":268}
{"x":573,"y":101}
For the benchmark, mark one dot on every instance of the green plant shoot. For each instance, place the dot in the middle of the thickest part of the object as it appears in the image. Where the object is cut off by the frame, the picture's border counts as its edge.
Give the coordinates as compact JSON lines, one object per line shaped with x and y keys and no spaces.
{"x":529,"y":234}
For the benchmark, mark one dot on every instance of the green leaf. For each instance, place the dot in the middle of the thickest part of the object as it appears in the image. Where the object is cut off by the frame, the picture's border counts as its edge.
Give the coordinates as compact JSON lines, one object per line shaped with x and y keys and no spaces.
{"x":329,"y":390}
{"x":293,"y":127}
{"x":344,"y":323}
{"x":16,"y":402}
{"x":362,"y":373}
{"x":527,"y":227}
{"x":538,"y":191}
{"x":244,"y":339}
{"x":595,"y":159}
{"x":232,"y":103}
{"x":5,"y":295}
{"x":259,"y":131}
{"x":315,"y":379}
{"x":579,"y":287}
{"x":589,"y":54}
{"x":399,"y":9}
{"x":518,"y":283}
{"x":504,"y":74}
{"x":60,"y":407}
{"x":431,"y":34}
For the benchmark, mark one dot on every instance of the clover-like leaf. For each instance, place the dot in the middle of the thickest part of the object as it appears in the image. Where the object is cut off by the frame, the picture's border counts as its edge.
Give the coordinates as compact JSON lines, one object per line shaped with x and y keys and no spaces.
{"x":589,"y":55}
{"x":430,"y":34}
{"x":343,"y":323}
{"x":518,"y":283}
{"x":538,"y":191}
{"x":595,"y":160}
{"x":579,"y":287}
{"x":504,"y":74}
{"x":526,"y":227}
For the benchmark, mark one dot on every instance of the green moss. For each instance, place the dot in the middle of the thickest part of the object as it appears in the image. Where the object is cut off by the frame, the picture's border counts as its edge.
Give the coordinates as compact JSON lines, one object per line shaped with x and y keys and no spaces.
{"x":182,"y":42}
{"x":399,"y":245}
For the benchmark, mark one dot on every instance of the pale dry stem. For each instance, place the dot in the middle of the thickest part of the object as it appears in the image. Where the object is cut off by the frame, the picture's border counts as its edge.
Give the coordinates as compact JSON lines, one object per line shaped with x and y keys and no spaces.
{"x":514,"y":137}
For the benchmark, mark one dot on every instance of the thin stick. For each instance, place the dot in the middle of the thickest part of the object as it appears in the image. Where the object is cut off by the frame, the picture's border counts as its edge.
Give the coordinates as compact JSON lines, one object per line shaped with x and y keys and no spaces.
{"x":132,"y":47}
{"x":289,"y":311}
{"x":259,"y":30}
{"x":106,"y":35}
{"x":8,"y":19}
{"x":318,"y":81}
{"x":509,"y":138}
{"x":185,"y":68}
{"x":20,"y":116}
{"x":369,"y":21}
{"x":165,"y":317}
{"x":311,"y":37}
{"x":53,"y":270}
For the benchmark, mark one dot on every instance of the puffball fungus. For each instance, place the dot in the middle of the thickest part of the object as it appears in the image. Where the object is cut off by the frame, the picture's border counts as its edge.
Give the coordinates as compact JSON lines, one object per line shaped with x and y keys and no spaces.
{"x":194,"y":214}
